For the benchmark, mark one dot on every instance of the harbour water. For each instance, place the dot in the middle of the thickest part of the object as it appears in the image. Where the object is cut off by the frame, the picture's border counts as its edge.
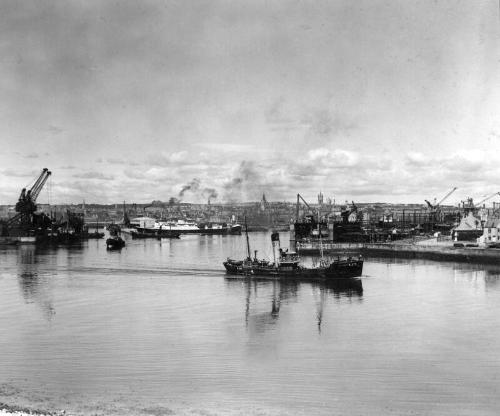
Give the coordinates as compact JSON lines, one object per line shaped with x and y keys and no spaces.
{"x":155,"y":329}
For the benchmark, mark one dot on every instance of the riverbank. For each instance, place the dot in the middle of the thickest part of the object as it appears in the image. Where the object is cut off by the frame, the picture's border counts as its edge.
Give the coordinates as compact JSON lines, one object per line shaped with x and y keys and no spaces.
{"x":430,"y":249}
{"x":6,"y":410}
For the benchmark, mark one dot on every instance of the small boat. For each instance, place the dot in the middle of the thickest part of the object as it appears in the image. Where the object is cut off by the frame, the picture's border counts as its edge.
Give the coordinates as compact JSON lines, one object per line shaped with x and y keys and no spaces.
{"x":115,"y":243}
{"x":26,"y":240}
{"x":288,"y":266}
{"x":94,"y":235}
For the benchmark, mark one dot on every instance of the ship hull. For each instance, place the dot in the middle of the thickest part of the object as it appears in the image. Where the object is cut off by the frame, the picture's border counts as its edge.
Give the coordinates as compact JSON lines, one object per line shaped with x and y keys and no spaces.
{"x":233,"y":230}
{"x":115,"y":243}
{"x":337,"y":270}
{"x":154,"y":233}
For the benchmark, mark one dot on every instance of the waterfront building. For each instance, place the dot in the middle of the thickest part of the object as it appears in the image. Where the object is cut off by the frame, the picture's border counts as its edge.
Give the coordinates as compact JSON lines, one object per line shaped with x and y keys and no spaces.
{"x":469,"y":228}
{"x":143,"y":222}
{"x":491,"y":232}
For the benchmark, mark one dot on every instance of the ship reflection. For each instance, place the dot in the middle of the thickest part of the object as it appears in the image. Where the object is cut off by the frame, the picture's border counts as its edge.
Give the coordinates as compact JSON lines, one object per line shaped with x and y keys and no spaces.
{"x":280,"y":292}
{"x":492,"y":279}
{"x":33,"y":284}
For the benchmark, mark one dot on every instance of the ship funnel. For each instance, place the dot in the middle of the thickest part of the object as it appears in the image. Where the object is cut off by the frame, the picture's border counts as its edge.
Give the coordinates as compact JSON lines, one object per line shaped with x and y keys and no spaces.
{"x":275,"y":238}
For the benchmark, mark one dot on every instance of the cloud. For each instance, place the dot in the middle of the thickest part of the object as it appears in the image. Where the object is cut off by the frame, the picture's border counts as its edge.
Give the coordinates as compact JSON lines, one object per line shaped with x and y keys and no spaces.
{"x":19,"y":173}
{"x":134,"y":174}
{"x":224,"y":148}
{"x":279,"y":113}
{"x":340,"y":173}
{"x":93,"y":175}
{"x":32,"y":155}
{"x":418,"y":159}
{"x":320,"y":123}
{"x":121,"y":161}
{"x":167,"y":159}
{"x":116,"y":161}
{"x":466,"y":161}
{"x":333,"y":158}
{"x":248,"y":182}
{"x":55,"y":130}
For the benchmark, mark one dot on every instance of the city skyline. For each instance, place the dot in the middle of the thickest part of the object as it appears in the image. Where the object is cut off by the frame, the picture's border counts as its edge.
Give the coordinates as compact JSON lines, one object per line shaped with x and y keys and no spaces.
{"x":371,"y":101}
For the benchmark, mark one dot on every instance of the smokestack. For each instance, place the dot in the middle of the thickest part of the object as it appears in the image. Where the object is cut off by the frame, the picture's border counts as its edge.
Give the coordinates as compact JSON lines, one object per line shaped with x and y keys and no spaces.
{"x":275,"y":238}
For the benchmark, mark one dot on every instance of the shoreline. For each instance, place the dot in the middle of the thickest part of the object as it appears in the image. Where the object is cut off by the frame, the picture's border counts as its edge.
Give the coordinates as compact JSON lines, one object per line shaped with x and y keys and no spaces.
{"x":437,"y":252}
{"x":12,"y":410}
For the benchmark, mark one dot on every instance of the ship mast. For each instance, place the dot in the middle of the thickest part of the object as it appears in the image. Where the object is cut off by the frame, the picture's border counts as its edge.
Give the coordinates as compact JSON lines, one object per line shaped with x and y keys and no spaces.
{"x":320,"y":200}
{"x":320,"y":240}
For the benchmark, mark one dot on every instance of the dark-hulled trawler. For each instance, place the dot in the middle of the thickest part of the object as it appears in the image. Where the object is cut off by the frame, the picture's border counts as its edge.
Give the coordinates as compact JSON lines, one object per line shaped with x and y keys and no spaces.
{"x":288,"y":266}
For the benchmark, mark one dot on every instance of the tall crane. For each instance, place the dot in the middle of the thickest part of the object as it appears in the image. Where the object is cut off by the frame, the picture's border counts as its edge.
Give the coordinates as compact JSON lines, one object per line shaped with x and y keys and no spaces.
{"x":299,"y":197}
{"x":486,"y":199}
{"x":26,"y":205}
{"x":436,"y":205}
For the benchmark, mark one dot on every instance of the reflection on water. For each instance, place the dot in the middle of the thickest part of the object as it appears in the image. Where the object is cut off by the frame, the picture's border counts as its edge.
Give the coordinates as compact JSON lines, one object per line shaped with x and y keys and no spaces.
{"x":484,"y":275}
{"x":287,"y":291}
{"x":492,"y":278}
{"x":34,"y":287}
{"x":157,"y":328}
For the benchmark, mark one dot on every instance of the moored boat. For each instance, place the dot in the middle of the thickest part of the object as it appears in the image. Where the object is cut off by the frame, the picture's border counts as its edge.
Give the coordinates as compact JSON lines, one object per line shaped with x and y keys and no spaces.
{"x":27,"y":240}
{"x":96,"y":234}
{"x":93,"y":235}
{"x":115,"y":243}
{"x":189,"y":227}
{"x":139,"y":234}
{"x":219,"y":228}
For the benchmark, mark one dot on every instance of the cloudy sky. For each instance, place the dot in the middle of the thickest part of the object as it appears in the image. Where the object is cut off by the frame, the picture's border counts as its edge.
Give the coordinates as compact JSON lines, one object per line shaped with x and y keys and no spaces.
{"x":365,"y":100}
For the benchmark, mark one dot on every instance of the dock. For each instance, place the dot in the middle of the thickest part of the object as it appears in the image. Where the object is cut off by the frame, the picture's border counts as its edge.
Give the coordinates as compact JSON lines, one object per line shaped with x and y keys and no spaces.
{"x":420,"y":250}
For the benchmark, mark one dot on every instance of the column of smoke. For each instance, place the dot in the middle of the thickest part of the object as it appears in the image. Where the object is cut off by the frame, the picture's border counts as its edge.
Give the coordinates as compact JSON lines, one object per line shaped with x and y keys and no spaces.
{"x":194,"y":187}
{"x":247,"y":183}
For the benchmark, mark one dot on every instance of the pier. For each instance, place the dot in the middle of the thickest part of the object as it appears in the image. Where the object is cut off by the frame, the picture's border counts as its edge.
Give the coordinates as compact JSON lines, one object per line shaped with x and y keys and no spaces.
{"x":443,"y":252}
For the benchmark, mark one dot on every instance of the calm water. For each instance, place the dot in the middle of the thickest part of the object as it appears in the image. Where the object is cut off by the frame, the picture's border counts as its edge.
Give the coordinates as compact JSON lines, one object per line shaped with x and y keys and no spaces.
{"x":156,"y":330}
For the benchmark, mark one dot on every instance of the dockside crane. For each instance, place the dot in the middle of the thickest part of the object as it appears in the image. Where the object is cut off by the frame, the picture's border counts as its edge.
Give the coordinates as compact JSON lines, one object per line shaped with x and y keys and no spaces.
{"x":435,"y":213}
{"x":26,"y":204}
{"x":299,"y":197}
{"x":486,"y":199}
{"x":436,"y":205}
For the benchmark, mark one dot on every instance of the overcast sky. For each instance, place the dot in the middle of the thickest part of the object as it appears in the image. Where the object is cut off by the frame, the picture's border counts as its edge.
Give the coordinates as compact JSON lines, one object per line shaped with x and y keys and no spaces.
{"x":393,"y":101}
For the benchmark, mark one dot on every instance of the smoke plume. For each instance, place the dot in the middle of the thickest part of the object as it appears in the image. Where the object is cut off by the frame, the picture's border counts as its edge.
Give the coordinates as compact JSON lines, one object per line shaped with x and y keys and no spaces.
{"x":247,"y":183}
{"x":194,"y":187}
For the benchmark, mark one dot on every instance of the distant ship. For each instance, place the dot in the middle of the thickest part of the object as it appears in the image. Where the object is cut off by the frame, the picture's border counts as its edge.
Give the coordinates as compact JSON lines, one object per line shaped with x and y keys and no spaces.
{"x":151,"y":233}
{"x":190,"y":227}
